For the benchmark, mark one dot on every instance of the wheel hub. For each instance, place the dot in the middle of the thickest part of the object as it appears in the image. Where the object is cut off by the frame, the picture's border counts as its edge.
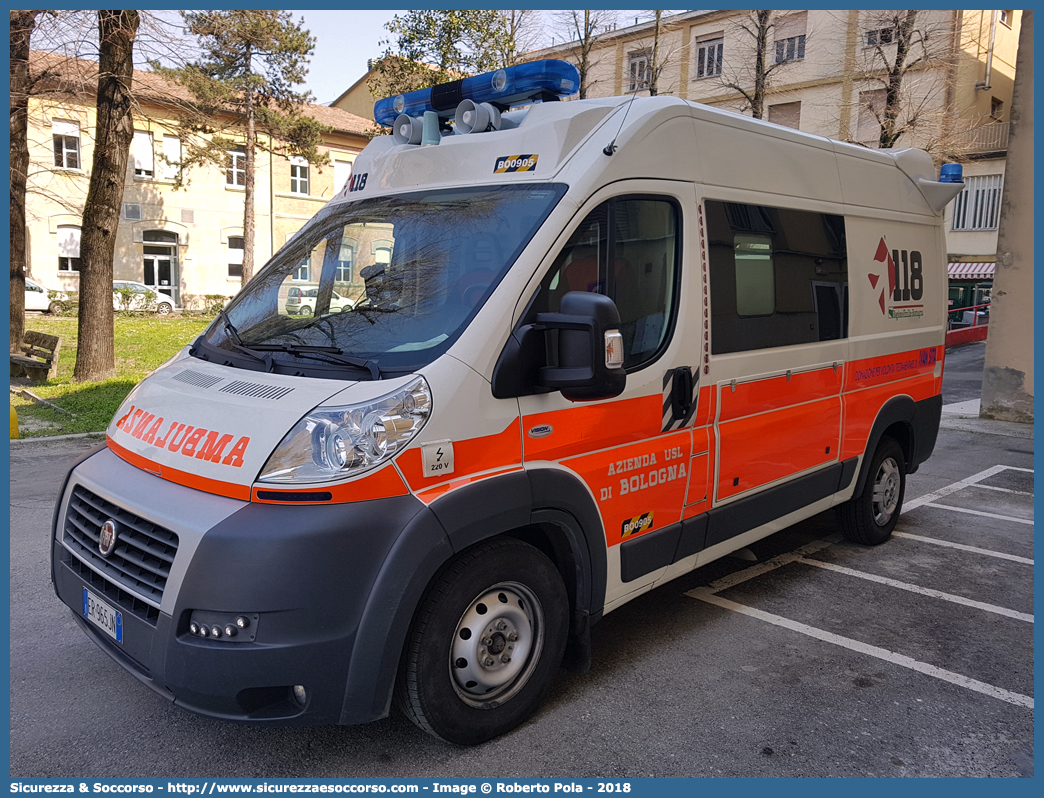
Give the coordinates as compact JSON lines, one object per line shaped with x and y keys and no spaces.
{"x":495,"y":644}
{"x":886,"y":491}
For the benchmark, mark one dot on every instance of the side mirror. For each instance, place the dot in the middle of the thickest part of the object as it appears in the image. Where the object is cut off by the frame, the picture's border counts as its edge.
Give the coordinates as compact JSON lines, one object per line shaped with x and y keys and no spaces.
{"x":589,"y":352}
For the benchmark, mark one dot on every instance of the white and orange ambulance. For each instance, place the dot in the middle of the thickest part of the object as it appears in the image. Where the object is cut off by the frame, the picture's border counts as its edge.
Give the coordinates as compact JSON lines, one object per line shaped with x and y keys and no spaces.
{"x":591,"y":346}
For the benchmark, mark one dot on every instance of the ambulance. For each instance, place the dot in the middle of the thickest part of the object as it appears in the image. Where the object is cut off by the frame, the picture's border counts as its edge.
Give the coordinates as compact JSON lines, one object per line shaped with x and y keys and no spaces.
{"x":592,"y":346}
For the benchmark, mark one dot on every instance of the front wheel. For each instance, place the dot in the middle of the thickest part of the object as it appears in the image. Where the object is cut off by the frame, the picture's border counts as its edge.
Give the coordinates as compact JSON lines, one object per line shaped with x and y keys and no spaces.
{"x":54,"y":308}
{"x":164,"y":309}
{"x":871,"y":516}
{"x":485,"y":644}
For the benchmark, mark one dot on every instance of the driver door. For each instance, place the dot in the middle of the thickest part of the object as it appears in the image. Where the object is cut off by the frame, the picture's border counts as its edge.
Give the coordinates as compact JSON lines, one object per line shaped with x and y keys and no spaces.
{"x":632,"y":451}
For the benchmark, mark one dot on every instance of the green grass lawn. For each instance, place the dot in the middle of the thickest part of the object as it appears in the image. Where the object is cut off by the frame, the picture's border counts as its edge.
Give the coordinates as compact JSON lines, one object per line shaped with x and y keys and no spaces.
{"x":142,"y":344}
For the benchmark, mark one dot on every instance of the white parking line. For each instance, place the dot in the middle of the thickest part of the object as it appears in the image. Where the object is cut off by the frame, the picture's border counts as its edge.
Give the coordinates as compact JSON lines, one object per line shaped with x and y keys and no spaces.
{"x":913,"y":504}
{"x":1002,"y":490}
{"x":733,"y":579}
{"x":974,"y":549}
{"x":924,"y":591}
{"x":704,"y":594}
{"x":978,"y":512}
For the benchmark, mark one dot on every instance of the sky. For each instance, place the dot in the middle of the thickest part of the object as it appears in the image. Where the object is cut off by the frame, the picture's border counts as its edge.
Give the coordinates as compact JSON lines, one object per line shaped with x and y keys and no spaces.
{"x":345,"y":40}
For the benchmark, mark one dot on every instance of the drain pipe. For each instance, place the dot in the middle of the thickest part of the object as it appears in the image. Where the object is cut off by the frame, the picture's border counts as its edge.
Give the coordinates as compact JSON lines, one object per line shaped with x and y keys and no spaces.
{"x":989,"y":56}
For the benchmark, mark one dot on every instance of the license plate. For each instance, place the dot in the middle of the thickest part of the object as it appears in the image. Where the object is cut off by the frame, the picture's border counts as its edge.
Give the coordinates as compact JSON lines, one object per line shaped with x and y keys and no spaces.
{"x":103,"y":616}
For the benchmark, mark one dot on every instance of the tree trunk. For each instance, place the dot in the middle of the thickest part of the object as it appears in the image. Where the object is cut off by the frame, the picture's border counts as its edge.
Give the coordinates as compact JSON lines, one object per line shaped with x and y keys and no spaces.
{"x":95,"y":358}
{"x":585,"y":51}
{"x":893,"y":91}
{"x":757,"y":104}
{"x":248,"y":192}
{"x":22,"y":24}
{"x":654,"y":62}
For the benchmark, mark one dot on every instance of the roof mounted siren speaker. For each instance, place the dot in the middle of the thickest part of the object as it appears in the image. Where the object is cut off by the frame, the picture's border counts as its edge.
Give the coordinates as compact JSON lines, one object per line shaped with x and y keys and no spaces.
{"x":474,"y":117}
{"x":408,"y":129}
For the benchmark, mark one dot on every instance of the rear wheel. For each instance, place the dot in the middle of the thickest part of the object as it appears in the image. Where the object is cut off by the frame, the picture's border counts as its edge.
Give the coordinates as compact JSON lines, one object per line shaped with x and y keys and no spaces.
{"x":485,"y":644}
{"x":305,"y":311}
{"x":871,"y":516}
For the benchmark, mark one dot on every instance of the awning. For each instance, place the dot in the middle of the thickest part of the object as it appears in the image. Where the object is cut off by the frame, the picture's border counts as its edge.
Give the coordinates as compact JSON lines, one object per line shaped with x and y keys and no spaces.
{"x":971,"y":271}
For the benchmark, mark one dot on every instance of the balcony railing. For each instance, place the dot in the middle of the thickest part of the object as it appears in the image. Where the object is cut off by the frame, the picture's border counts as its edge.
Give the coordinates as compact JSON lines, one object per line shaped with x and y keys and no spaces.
{"x":985,"y":138}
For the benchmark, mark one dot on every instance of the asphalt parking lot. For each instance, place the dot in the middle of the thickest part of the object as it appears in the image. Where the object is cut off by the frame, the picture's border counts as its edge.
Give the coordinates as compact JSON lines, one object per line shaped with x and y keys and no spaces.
{"x":815,"y":658}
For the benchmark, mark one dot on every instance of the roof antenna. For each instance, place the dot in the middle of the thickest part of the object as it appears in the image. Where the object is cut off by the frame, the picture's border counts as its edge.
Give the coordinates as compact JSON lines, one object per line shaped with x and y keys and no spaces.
{"x":611,"y":147}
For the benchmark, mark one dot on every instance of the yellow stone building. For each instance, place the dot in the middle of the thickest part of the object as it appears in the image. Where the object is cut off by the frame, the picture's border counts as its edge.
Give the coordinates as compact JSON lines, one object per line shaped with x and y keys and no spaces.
{"x":824,"y":82}
{"x":185,"y":241}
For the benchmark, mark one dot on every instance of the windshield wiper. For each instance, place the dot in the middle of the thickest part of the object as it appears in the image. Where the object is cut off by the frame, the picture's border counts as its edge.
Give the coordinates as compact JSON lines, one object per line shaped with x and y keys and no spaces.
{"x":237,"y":342}
{"x":331,"y":353}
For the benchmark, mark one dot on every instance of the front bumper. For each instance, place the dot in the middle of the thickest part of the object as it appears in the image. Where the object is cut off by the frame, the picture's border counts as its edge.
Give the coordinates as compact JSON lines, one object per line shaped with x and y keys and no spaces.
{"x":312,"y":575}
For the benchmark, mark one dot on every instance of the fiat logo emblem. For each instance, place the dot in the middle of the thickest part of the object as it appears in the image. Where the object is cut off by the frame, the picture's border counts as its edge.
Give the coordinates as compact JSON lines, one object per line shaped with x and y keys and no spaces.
{"x":107,"y":538}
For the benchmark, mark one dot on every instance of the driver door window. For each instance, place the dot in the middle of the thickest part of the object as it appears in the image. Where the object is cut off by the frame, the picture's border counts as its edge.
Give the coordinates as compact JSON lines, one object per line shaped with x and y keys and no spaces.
{"x":626,"y":249}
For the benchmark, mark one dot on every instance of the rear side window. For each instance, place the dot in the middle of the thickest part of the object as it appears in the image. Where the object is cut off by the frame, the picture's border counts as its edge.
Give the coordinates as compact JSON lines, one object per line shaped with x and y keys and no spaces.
{"x":778,"y":277}
{"x":627,"y":248}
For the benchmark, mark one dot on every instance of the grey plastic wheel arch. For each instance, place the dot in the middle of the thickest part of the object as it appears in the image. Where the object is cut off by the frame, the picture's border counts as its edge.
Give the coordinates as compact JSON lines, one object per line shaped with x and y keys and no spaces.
{"x":436,"y":535}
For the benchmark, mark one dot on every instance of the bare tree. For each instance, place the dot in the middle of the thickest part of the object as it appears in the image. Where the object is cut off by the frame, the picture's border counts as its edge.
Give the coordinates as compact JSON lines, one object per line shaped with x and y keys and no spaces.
{"x":95,"y":356}
{"x":750,"y":72}
{"x":519,"y":33}
{"x":586,"y":29}
{"x":22,"y":24}
{"x":903,"y":46}
{"x":660,"y":53}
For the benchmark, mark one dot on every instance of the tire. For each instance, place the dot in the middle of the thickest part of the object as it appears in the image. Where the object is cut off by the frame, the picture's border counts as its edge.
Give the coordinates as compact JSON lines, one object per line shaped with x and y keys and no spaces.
{"x":164,"y":309}
{"x":485,"y":644}
{"x":54,"y":308}
{"x":305,"y":311}
{"x":870,"y":517}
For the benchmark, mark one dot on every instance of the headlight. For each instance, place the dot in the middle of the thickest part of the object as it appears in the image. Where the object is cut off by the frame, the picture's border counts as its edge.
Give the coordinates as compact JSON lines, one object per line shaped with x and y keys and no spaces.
{"x":339,"y":442}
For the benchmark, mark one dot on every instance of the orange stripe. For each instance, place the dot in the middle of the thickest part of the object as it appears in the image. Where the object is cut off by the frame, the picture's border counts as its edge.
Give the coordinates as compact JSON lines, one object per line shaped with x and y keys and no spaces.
{"x":430,"y":495}
{"x":583,"y":428}
{"x":470,"y":456}
{"x":862,"y":407}
{"x":381,"y":484}
{"x":777,"y":392}
{"x":215,"y":486}
{"x":764,"y":448}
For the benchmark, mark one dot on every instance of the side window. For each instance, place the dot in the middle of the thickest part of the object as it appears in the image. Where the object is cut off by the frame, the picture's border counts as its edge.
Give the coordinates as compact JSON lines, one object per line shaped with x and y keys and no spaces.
{"x":628,"y":249}
{"x":778,"y":277}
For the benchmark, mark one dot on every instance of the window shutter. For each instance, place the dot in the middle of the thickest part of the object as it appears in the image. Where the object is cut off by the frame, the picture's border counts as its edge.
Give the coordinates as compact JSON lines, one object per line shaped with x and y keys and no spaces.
{"x":68,"y":241}
{"x":60,"y":128}
{"x":143,"y":161}
{"x":172,"y":153}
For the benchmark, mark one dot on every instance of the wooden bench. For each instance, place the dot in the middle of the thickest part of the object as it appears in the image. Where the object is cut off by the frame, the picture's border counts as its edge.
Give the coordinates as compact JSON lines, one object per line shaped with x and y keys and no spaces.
{"x":39,"y":356}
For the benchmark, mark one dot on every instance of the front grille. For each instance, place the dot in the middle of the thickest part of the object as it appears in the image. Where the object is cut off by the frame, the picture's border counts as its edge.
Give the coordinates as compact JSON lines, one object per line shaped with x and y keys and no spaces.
{"x":111,"y":592}
{"x":144,"y":551}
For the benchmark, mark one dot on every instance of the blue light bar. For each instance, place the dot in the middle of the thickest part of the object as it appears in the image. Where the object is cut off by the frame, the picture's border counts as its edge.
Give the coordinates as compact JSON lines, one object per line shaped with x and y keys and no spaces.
{"x":506,"y":87}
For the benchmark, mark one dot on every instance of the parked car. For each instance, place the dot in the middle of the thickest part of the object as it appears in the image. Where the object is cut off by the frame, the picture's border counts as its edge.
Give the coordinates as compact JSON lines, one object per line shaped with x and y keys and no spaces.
{"x":301,"y":302}
{"x":38,"y":297}
{"x":143,"y":298}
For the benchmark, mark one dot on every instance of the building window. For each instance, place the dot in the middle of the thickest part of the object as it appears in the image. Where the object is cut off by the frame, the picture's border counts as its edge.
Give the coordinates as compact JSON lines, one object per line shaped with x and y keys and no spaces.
{"x":638,"y":67}
{"x":880,"y":36}
{"x":345,"y":260}
{"x":303,"y":270}
{"x":141,"y":152}
{"x":790,"y":37}
{"x":1006,"y":18}
{"x":786,"y":114}
{"x":978,"y":205}
{"x":871,"y":110}
{"x":66,"y":137}
{"x":298,"y":175}
{"x":709,"y":53}
{"x":342,"y":171}
{"x":235,"y":167}
{"x":171,"y":157}
{"x":235,"y":257}
{"x":778,"y":276}
{"x":68,"y":248}
{"x":132,"y":211}
{"x":996,"y":108}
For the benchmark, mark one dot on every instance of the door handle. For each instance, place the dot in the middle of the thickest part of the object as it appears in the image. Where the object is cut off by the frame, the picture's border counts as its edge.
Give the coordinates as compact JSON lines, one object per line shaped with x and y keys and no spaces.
{"x":681,"y":392}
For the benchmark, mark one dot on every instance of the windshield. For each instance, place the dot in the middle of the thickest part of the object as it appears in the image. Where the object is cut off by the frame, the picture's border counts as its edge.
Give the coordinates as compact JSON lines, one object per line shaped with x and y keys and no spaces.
{"x":389,"y":282}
